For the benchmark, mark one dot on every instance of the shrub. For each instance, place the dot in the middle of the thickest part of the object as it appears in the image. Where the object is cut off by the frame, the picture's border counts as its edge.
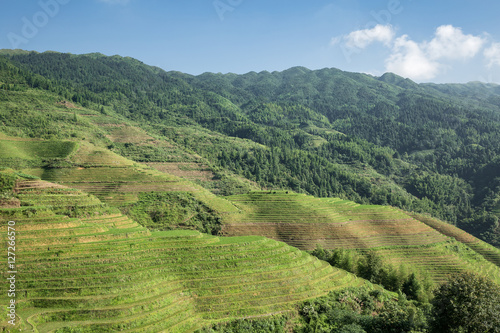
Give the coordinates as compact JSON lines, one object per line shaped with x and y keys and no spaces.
{"x":7,"y":182}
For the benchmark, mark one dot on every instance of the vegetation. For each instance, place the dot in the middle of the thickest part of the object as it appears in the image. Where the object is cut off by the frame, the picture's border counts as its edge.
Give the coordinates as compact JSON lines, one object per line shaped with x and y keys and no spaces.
{"x":174,"y":210}
{"x":424,"y":148}
{"x":358,"y":310}
{"x":88,"y":268}
{"x":150,"y":169}
{"x":7,"y":182}
{"x":371,"y":267}
{"x":276,"y":324}
{"x":345,"y":234}
{"x":467,"y":303}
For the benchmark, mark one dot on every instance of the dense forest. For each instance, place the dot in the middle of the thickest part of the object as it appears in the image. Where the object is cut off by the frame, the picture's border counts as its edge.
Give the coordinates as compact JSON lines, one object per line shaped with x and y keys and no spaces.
{"x":383,"y":140}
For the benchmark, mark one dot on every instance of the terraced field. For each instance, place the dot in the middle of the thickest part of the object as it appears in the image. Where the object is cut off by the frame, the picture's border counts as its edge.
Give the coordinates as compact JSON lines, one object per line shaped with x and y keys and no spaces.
{"x":13,"y":150}
{"x":113,"y":179}
{"x":121,"y":133}
{"x":191,"y":171}
{"x":167,"y":157}
{"x":115,"y":186}
{"x":141,"y":147}
{"x":439,"y":261}
{"x":306,"y":222}
{"x":489,"y":252}
{"x":82,"y":265}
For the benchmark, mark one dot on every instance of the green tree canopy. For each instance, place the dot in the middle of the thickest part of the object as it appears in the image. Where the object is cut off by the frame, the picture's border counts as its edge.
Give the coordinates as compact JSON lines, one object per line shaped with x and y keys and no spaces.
{"x":467,"y":303}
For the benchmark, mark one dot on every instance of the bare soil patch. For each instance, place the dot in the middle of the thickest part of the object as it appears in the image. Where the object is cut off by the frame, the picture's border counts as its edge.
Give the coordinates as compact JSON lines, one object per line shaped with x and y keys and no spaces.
{"x":67,"y":104}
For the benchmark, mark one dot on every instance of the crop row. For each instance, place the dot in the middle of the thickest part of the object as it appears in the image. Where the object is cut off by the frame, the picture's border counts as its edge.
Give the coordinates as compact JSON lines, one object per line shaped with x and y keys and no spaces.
{"x":489,"y":252}
{"x":359,"y":234}
{"x":105,"y":273}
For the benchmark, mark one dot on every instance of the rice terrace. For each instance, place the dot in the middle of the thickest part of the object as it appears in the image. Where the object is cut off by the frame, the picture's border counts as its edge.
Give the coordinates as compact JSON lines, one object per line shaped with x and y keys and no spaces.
{"x":138,"y":200}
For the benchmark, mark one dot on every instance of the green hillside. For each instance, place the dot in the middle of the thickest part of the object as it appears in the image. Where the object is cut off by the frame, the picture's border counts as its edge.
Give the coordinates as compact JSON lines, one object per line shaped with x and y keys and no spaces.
{"x":399,"y":238}
{"x":153,"y":201}
{"x":32,"y":150}
{"x":373,"y":140}
{"x":84,"y":265}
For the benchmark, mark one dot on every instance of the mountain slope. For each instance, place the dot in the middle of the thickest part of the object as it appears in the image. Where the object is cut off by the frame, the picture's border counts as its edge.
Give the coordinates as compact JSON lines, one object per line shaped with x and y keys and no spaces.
{"x":132,"y":152}
{"x":83,"y":265}
{"x":399,"y":238}
{"x":383,"y":140}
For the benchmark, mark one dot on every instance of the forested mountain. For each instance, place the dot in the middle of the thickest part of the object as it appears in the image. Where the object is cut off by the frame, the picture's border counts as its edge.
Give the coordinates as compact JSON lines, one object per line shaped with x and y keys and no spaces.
{"x":384,"y":140}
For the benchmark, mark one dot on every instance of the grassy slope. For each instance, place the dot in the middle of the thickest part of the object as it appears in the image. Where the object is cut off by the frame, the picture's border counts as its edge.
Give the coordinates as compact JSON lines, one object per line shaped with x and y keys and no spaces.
{"x":33,"y":114}
{"x":489,"y":252}
{"x":77,"y":144}
{"x":91,"y":167}
{"x":386,"y":105}
{"x":100,"y":271}
{"x":117,"y":180}
{"x":59,"y":141}
{"x":299,"y":220}
{"x":35,"y":149}
{"x":306,"y":222}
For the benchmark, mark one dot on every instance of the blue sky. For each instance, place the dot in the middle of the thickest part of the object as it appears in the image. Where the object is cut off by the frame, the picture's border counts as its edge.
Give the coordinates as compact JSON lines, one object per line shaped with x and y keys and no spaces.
{"x":427,"y":41}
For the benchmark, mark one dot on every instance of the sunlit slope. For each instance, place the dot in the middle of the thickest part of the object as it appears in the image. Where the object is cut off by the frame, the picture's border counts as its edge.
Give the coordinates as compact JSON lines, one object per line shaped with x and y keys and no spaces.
{"x":306,"y":222}
{"x":489,"y":252}
{"x":11,"y":148}
{"x":83,"y":265}
{"x":114,"y":179}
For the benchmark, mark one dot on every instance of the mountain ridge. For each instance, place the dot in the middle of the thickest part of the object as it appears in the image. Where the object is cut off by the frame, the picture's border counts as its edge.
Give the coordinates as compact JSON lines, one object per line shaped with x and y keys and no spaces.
{"x":395,"y":134}
{"x":148,"y":169}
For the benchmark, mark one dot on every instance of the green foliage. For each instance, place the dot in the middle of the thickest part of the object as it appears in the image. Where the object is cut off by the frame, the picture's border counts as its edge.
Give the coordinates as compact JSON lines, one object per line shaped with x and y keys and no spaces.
{"x":427,"y":148}
{"x":26,"y":176}
{"x":467,"y":303}
{"x":412,"y":287}
{"x":360,"y":310}
{"x":370,"y":266}
{"x":125,"y":277}
{"x":7,"y":182}
{"x":275,"y":324}
{"x":401,"y":316}
{"x":352,"y":328}
{"x":173,"y":210}
{"x":342,"y":258}
{"x":327,"y":133}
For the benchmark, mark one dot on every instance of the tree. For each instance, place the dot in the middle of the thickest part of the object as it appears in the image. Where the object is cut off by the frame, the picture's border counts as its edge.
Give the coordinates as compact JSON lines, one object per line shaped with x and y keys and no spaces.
{"x":467,"y":303}
{"x":412,"y":287}
{"x":352,"y":328}
{"x":371,"y":267}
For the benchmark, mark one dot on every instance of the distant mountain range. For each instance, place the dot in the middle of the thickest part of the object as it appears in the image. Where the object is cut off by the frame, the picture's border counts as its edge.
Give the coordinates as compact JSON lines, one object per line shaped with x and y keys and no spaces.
{"x":124,"y":180}
{"x":429,"y":148}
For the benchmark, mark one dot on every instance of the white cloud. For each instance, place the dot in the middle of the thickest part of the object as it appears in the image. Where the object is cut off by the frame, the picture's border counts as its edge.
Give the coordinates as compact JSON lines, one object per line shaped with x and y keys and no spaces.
{"x":492,"y":54}
{"x":410,"y":60}
{"x":451,"y":43}
{"x":362,"y":38}
{"x":421,"y":60}
{"x":335,"y":40}
{"x":425,"y":60}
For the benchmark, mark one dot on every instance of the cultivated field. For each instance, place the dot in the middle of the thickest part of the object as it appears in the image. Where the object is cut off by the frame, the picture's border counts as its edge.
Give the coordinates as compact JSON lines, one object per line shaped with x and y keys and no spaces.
{"x":305,"y":221}
{"x":82,"y":265}
{"x":489,"y":252}
{"x":402,"y":240}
